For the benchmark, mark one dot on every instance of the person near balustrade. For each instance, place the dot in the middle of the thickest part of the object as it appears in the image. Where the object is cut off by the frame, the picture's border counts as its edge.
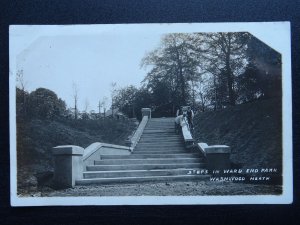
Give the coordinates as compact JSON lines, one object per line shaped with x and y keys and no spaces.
{"x":178,"y":121}
{"x":179,"y":111}
{"x":190,"y":117}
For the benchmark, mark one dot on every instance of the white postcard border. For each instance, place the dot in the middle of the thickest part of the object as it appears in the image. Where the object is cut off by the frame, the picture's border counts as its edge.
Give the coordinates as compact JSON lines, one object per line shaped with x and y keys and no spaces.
{"x":260,"y":30}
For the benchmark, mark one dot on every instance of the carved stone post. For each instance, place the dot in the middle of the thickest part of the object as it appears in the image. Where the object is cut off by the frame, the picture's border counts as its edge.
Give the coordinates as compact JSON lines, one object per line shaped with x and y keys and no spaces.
{"x":68,"y":165}
{"x":217,"y":156}
{"x":146,"y":112}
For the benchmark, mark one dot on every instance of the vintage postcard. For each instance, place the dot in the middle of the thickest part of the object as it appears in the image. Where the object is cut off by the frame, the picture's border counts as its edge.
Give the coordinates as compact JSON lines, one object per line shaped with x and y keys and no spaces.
{"x":151,"y":114}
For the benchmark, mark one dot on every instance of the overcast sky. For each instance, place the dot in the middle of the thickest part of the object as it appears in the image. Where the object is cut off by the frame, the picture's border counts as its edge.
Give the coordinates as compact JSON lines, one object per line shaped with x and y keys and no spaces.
{"x":92,"y":62}
{"x":94,"y":56}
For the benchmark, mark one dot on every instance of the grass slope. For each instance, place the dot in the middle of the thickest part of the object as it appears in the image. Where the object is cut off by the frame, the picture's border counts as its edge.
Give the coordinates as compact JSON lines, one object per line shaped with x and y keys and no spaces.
{"x":36,"y":138}
{"x":252,"y":130}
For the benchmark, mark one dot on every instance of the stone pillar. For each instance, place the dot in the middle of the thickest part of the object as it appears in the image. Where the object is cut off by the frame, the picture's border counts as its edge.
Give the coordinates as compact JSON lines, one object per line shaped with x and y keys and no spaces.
{"x":218,"y":157}
{"x":146,"y":112}
{"x":68,"y":165}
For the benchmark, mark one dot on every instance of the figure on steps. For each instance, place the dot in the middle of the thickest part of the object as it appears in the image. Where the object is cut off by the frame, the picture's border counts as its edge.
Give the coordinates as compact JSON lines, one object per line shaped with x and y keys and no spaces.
{"x":190,"y":117}
{"x":178,"y":122}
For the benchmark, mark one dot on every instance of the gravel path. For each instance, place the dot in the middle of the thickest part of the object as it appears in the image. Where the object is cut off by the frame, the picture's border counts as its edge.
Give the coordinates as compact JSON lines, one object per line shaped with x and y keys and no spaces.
{"x":166,"y":189}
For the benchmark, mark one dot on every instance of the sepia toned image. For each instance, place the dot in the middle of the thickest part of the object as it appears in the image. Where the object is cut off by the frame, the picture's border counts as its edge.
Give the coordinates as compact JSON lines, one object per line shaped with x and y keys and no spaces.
{"x":150,"y":114}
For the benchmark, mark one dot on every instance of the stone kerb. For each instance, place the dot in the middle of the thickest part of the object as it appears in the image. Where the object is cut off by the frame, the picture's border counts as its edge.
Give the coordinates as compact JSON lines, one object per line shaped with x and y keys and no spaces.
{"x":138,"y":133}
{"x":68,"y":165}
{"x":217,"y":156}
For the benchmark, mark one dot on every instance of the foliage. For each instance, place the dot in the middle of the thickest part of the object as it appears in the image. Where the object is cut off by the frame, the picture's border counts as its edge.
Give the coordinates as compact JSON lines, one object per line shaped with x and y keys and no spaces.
{"x":41,"y":103}
{"x":44,"y":104}
{"x":125,"y":99}
{"x":206,"y":71}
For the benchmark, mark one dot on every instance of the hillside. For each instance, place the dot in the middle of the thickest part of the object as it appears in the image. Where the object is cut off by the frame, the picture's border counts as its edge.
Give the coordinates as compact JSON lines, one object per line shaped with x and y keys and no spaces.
{"x":35,"y":139}
{"x":252,"y":130}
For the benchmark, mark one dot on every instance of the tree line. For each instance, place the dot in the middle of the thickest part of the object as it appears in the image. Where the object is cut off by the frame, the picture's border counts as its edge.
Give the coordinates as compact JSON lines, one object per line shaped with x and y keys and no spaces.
{"x":208,"y":71}
{"x":41,"y":103}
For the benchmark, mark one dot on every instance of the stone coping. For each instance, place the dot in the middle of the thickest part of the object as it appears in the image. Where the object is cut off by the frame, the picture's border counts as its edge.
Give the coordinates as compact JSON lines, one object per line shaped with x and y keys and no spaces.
{"x":91,"y":149}
{"x":138,"y":133}
{"x":214,"y":149}
{"x":67,"y":150}
{"x":187,"y":136}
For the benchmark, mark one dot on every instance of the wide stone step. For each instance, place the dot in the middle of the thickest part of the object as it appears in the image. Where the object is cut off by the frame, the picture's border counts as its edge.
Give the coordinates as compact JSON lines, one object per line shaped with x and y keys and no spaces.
{"x":172,"y":138}
{"x":161,"y":120}
{"x":161,"y":136}
{"x":121,"y":180}
{"x":155,"y":131}
{"x":164,"y":125}
{"x":170,"y":125}
{"x":154,"y":147}
{"x":141,"y":173}
{"x":159,"y":152}
{"x":162,"y":149}
{"x":146,"y":161}
{"x":171,"y":120}
{"x":160,"y":145}
{"x":160,"y":142}
{"x":145,"y":166}
{"x":151,"y":141}
{"x":160,"y":126}
{"x":152,"y":156}
{"x":170,"y":133}
{"x":148,"y":140}
{"x":159,"y":148}
{"x":159,"y":132}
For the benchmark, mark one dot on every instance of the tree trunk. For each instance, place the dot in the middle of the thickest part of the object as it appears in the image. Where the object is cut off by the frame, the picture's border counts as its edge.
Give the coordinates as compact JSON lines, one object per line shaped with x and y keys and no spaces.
{"x":215,"y":86}
{"x":229,"y":74}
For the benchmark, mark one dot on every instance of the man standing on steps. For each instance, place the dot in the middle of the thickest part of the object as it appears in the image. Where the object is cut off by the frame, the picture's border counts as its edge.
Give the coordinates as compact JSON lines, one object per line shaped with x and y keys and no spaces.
{"x":179,"y":111}
{"x":178,"y":121}
{"x":190,"y":117}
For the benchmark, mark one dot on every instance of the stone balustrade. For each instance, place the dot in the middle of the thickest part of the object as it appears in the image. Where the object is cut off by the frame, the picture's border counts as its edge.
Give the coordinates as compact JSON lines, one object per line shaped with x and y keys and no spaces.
{"x":68,"y":165}
{"x":96,"y":150}
{"x":217,"y":156}
{"x":132,"y":142}
{"x":70,"y":161}
{"x":187,"y":136}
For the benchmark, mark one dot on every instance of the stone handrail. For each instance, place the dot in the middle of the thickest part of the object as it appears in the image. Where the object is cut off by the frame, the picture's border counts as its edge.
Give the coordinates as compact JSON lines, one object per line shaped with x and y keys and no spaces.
{"x":94,"y":151}
{"x":70,"y":161}
{"x":217,"y":156}
{"x":187,"y":136}
{"x":138,"y":133}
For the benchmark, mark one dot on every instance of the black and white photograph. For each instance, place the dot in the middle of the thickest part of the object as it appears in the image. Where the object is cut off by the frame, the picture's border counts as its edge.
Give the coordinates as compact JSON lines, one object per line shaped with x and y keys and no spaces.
{"x":150,"y":114}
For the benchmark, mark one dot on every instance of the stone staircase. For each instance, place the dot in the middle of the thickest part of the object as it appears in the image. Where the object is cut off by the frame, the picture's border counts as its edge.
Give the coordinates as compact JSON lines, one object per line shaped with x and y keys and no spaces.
{"x":160,"y":155}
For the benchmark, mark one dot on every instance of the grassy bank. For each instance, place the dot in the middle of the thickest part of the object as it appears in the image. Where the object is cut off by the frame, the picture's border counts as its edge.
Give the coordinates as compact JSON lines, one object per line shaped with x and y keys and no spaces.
{"x":35,"y":139}
{"x":253,"y":131}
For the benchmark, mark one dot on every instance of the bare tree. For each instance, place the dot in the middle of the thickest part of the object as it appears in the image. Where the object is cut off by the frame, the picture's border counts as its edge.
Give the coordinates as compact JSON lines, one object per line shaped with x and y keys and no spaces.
{"x":20,"y":80}
{"x":113,"y":94}
{"x":100,"y":105}
{"x":21,"y":83}
{"x":75,"y":96}
{"x":86,"y":105}
{"x":104,"y":101}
